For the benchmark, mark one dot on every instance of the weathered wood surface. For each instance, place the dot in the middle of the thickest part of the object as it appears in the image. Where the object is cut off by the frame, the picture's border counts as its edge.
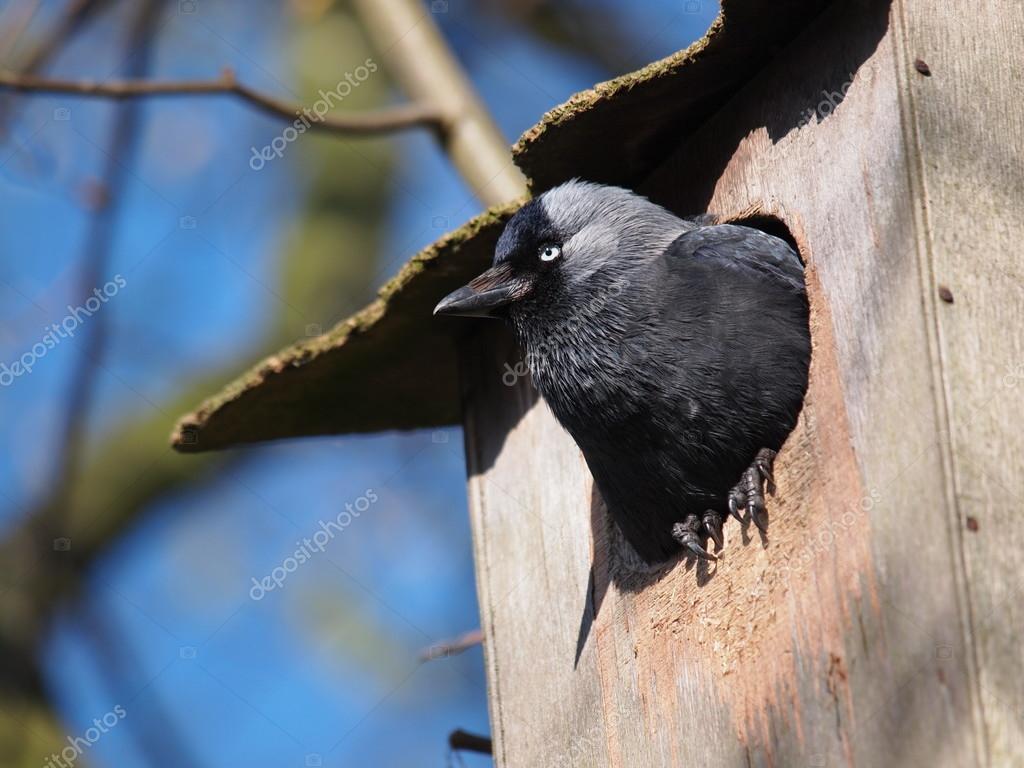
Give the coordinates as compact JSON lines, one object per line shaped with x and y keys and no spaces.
{"x":967,"y":132}
{"x":873,"y":627}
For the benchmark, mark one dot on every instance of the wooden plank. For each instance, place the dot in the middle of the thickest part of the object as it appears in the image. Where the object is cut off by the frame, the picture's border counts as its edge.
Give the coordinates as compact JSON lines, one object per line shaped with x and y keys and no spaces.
{"x":532,"y":560}
{"x":845,"y":639}
{"x":967,"y":130}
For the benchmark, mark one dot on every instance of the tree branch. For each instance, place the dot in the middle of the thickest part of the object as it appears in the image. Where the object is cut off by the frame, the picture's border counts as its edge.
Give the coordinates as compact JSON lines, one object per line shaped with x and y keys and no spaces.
{"x":464,"y":741}
{"x":452,"y":647}
{"x":376,"y":121}
{"x":418,"y":57}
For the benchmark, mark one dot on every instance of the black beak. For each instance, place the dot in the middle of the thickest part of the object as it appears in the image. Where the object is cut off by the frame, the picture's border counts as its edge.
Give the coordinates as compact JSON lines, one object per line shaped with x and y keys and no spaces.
{"x":485,"y":294}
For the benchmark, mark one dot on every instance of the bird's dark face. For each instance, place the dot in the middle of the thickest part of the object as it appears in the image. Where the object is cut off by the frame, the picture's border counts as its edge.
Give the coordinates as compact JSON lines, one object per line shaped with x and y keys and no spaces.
{"x":526,"y":259}
{"x":561,"y":248}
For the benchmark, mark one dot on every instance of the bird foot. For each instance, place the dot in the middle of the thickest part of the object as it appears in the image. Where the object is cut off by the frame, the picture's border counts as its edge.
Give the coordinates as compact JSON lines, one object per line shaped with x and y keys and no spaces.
{"x":748,"y":493}
{"x":694,"y":531}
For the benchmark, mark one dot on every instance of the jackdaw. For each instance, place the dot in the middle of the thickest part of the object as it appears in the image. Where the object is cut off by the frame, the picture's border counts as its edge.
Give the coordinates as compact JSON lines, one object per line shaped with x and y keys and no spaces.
{"x":674,"y":351}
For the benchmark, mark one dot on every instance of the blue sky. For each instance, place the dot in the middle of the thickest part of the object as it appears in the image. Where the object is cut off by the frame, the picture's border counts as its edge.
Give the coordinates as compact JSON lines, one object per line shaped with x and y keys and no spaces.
{"x":326,"y":664}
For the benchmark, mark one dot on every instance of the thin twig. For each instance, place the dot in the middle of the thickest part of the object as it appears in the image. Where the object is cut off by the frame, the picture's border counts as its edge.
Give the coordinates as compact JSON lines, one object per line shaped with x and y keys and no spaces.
{"x":376,"y":121}
{"x":465,"y":741}
{"x":452,"y":647}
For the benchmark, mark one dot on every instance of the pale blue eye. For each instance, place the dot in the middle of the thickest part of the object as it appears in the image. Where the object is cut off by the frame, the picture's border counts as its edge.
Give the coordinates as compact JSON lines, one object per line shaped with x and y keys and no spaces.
{"x":550,"y":252}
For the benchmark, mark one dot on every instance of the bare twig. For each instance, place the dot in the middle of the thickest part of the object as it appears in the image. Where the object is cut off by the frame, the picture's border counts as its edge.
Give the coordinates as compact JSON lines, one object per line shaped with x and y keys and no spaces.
{"x":376,"y":121}
{"x":465,"y":741}
{"x":452,"y":647}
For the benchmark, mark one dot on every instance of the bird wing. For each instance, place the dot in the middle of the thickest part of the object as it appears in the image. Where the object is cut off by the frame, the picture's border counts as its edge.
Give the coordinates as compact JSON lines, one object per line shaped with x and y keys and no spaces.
{"x":713,"y":368}
{"x":744,"y":249}
{"x":727,"y":346}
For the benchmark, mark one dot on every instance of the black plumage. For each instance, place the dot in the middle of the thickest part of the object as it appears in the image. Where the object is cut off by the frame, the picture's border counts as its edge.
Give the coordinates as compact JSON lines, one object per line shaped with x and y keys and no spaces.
{"x":674,"y":352}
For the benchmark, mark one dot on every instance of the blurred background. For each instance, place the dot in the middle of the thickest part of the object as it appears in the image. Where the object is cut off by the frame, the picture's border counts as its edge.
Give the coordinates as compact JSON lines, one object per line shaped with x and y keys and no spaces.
{"x":132,"y":631}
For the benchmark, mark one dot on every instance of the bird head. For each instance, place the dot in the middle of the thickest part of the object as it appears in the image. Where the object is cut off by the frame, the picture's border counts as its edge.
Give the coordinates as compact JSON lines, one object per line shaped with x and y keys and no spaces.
{"x":563,"y":246}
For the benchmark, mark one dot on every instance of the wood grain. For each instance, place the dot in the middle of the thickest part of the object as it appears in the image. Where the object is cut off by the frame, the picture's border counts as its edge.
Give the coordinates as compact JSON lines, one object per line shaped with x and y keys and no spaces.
{"x":966,"y":132}
{"x":869,"y":629}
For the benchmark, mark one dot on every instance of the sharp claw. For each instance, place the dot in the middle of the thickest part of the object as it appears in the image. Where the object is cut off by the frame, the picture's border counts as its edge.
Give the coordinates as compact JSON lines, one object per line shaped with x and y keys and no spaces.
{"x":756,"y":516}
{"x":686,"y":534}
{"x":734,"y":508}
{"x":766,"y":472}
{"x":766,"y":466}
{"x":699,"y":551}
{"x":749,"y":492}
{"x":713,"y":526}
{"x":755,"y":506}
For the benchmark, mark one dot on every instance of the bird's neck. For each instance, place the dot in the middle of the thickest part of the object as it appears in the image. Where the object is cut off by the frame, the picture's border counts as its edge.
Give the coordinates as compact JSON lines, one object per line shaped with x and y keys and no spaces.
{"x":573,"y":347}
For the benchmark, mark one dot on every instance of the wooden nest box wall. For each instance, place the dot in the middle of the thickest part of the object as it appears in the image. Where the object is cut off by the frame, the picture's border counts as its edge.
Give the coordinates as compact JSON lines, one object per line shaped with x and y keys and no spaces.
{"x":878,"y":623}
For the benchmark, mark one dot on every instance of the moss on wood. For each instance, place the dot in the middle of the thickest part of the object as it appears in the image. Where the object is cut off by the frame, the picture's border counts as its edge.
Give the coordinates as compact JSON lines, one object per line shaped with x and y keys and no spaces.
{"x":392,"y":365}
{"x":386,"y":367}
